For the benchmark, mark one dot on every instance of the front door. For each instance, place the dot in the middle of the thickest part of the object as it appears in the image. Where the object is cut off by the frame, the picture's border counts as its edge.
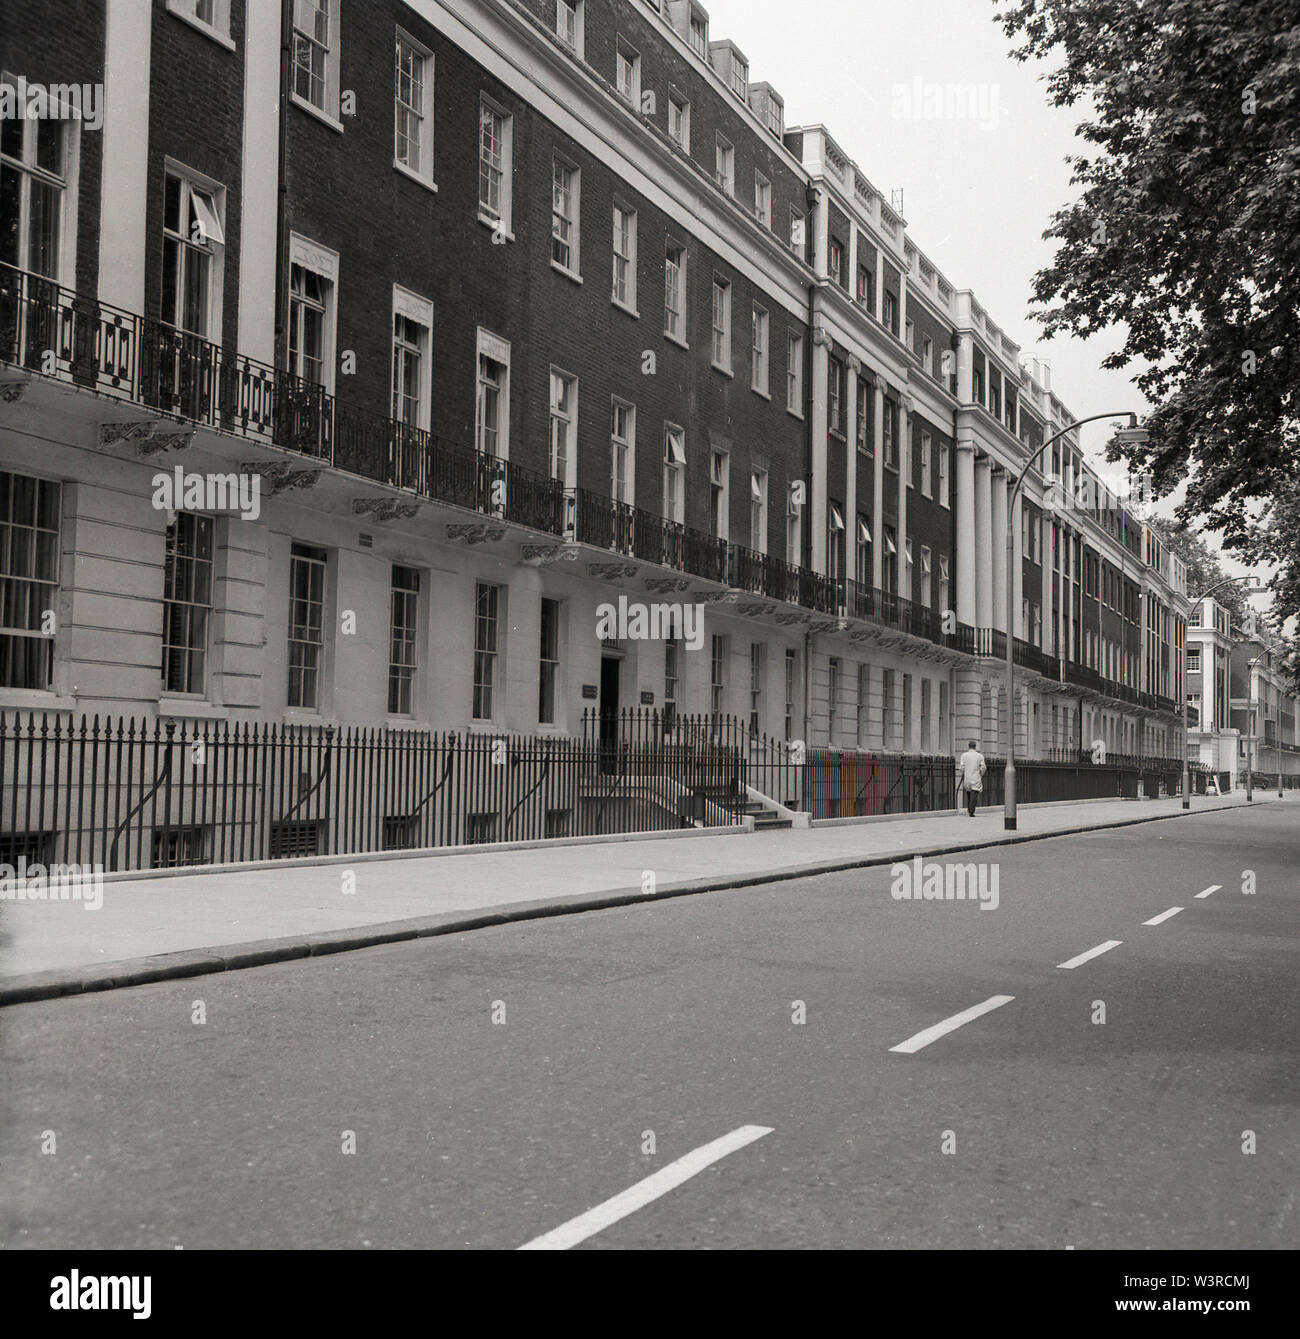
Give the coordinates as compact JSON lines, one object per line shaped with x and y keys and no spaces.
{"x":610,"y":667}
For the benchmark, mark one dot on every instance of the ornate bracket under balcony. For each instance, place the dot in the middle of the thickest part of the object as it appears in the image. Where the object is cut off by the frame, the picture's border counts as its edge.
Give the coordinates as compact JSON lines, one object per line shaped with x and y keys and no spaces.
{"x":158,"y":442}
{"x":475,"y":534}
{"x":544,"y":555}
{"x":825,"y":627}
{"x":755,"y":610}
{"x":385,"y":508}
{"x":117,"y":434}
{"x":666,"y":585}
{"x":717,"y":597}
{"x":790,"y":619}
{"x":613,"y":571}
{"x":12,"y":391}
{"x":280,"y":478}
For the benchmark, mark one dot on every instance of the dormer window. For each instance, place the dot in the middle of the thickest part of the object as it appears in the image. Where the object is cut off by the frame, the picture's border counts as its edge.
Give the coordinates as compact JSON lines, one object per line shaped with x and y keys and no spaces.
{"x":699,"y":35}
{"x":740,"y":78}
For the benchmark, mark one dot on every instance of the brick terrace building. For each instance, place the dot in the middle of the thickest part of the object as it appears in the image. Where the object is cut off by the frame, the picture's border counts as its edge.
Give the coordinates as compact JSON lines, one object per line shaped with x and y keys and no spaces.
{"x":509,"y":309}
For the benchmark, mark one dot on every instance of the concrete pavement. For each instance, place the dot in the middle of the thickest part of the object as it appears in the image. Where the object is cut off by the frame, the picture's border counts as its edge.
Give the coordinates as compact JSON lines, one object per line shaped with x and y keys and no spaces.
{"x":151,"y":929}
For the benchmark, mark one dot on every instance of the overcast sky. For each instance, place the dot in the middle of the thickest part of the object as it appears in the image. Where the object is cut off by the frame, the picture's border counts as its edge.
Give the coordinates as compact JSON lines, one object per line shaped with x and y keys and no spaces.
{"x":979,"y":189}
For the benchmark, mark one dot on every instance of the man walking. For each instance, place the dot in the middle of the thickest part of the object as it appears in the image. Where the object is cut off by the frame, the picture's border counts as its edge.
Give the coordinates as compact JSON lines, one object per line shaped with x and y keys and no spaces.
{"x":972,"y":767}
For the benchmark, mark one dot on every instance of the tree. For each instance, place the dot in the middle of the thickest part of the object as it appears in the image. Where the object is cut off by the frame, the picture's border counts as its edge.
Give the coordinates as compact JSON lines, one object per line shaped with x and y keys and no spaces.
{"x":1203,"y":567}
{"x":1186,"y":234}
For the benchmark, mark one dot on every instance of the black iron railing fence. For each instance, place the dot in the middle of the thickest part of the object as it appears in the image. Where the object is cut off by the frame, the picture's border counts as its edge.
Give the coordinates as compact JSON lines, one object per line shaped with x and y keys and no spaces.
{"x":54,"y":331}
{"x":132,"y":795}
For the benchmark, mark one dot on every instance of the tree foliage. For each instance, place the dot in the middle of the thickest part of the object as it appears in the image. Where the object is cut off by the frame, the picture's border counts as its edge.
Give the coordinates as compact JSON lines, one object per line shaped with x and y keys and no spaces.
{"x":1186,"y":235}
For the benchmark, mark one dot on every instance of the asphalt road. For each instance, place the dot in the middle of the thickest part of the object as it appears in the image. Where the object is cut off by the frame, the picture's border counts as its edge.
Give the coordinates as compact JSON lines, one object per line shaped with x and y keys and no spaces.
{"x":677,"y":1019}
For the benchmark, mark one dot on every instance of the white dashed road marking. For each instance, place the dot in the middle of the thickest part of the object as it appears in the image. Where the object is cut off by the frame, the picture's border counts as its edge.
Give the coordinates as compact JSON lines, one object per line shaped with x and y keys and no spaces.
{"x":1164,"y":916}
{"x":1091,"y":953}
{"x":922,"y":1039}
{"x":577,"y":1230}
{"x":1213,"y":888}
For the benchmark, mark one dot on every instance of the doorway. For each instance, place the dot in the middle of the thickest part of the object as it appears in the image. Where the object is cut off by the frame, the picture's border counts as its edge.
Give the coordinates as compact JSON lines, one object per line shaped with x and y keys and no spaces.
{"x":610,"y":677}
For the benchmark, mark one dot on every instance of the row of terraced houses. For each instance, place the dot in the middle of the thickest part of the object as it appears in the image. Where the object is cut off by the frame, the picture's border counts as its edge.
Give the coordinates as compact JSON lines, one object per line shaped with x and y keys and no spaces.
{"x":368,"y":351}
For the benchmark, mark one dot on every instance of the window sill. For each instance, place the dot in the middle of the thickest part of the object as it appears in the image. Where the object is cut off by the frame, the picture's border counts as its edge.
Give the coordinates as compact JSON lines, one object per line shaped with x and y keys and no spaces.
{"x":726,"y":371}
{"x":312,"y":110}
{"x":498,"y":227}
{"x":35,"y":699}
{"x":677,"y":339}
{"x":416,"y":177}
{"x":571,"y":275}
{"x":409,"y":724}
{"x":220,"y":38}
{"x":794,"y":413}
{"x":758,"y":390}
{"x":301,"y":716}
{"x":837,"y":434}
{"x":623,"y":307}
{"x":188,"y":708}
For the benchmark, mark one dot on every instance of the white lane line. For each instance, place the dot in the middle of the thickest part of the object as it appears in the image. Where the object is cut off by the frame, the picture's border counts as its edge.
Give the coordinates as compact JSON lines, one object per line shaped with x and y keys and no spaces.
{"x":1091,"y":953}
{"x":922,"y":1039}
{"x":1164,"y":916}
{"x":1213,"y":888}
{"x":636,"y":1197}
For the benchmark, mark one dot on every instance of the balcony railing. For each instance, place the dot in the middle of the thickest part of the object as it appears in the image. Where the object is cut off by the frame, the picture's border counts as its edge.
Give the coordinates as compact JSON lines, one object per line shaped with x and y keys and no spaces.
{"x":52,"y":331}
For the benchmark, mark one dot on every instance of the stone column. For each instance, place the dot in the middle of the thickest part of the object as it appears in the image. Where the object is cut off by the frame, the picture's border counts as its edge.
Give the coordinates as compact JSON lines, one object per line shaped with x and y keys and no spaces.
{"x":964,"y":485}
{"x":998,"y":485}
{"x":984,"y":544}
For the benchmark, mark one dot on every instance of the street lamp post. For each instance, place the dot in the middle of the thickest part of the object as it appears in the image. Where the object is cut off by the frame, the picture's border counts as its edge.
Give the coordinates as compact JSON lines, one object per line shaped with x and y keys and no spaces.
{"x":1132,"y":434}
{"x":1250,"y":725}
{"x":1227,"y":581}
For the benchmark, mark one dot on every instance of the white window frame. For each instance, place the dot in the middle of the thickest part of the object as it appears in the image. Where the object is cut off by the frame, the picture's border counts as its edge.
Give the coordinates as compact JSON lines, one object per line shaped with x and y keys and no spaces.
{"x":418,"y":311}
{"x":573,"y":216}
{"x":625,"y":52}
{"x":496,"y":349}
{"x":327,"y":109}
{"x":677,"y":102}
{"x":623,"y":263}
{"x":927,"y":450}
{"x":568,"y":421}
{"x":759,"y":480}
{"x":574,"y":12}
{"x":719,"y":655}
{"x":622,"y":450}
{"x":927,"y":576}
{"x":324,"y":263}
{"x":504,"y":214}
{"x":674,"y":473}
{"x":760,"y":362}
{"x":422,"y":171}
{"x":675,"y":317}
{"x":207,"y":199}
{"x":724,"y":163}
{"x":945,"y":475}
{"x":739,"y":86}
{"x":763,"y":200}
{"x":720,"y":502}
{"x":217,"y":27}
{"x":945,"y":584}
{"x":794,"y":371}
{"x":721,"y":340}
{"x":65,"y":183}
